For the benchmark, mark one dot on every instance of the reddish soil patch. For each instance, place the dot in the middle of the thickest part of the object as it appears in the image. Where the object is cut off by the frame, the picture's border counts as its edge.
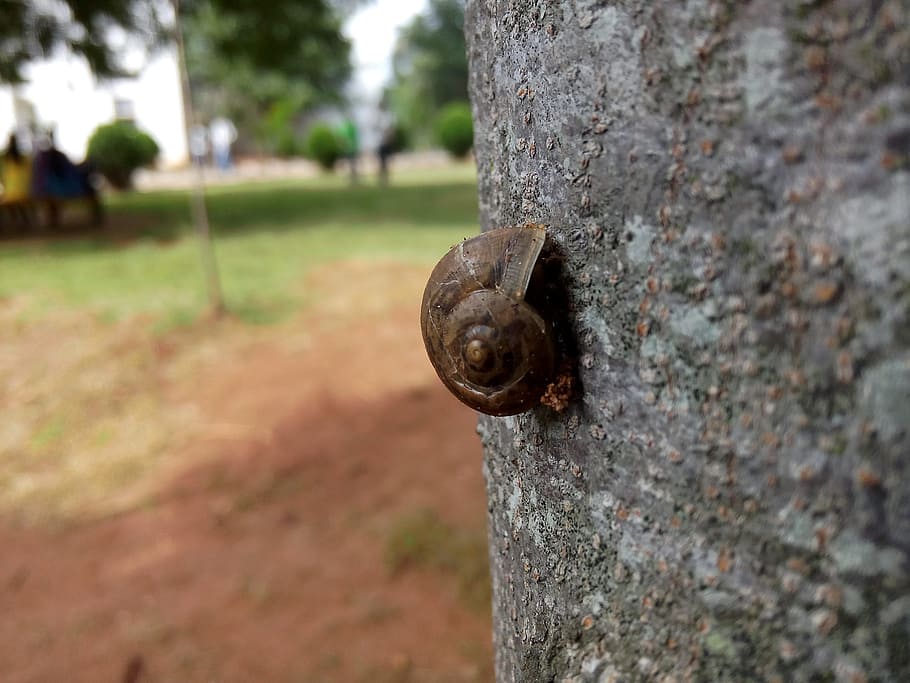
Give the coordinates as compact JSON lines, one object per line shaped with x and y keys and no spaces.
{"x":262,"y":556}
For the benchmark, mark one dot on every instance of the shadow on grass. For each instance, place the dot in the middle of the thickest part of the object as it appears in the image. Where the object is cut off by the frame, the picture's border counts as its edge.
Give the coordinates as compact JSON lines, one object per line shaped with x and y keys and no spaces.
{"x":162,"y":217}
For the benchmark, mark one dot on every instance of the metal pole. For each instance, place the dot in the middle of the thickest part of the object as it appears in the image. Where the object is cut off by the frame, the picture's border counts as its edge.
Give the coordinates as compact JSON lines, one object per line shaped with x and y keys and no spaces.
{"x":200,"y":211}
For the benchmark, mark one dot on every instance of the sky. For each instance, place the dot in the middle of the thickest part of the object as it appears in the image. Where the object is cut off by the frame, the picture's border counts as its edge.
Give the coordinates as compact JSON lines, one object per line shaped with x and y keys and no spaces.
{"x":373,"y":30}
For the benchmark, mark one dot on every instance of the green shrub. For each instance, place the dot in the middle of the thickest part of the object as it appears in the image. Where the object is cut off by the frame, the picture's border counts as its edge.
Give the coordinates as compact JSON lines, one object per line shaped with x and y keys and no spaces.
{"x":118,"y":149}
{"x":277,"y":128}
{"x":324,"y":146}
{"x":454,"y":128}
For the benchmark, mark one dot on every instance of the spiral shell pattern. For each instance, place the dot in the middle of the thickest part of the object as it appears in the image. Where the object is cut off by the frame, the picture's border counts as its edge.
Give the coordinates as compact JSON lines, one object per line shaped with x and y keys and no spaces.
{"x":491,"y":349}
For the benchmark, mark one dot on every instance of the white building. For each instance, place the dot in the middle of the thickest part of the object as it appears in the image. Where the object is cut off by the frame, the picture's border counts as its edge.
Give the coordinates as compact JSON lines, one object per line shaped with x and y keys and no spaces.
{"x":62,"y":94}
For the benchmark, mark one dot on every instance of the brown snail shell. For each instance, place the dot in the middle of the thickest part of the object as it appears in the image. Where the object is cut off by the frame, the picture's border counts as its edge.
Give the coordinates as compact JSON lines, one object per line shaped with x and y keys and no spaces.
{"x":489,"y":347}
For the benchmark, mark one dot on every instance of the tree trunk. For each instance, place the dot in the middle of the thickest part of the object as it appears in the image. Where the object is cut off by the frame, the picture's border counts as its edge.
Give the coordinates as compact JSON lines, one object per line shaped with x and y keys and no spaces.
{"x":727,"y":498}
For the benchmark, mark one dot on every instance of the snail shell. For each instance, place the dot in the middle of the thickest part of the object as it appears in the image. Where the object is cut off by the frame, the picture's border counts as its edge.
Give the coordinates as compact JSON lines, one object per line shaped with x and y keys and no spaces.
{"x":491,"y":349}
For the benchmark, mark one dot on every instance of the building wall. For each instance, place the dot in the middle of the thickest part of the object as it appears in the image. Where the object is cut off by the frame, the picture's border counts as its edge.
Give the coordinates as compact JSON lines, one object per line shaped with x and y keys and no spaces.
{"x":66,"y":97}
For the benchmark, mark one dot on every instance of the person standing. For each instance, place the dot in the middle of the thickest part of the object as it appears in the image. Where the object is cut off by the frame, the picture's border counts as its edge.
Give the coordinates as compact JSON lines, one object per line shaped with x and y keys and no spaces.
{"x":388,"y":140}
{"x":351,"y":139}
{"x":222,"y":135}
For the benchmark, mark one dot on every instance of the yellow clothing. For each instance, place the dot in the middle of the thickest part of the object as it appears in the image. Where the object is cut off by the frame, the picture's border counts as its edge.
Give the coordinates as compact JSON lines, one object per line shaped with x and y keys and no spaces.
{"x":16,"y":178}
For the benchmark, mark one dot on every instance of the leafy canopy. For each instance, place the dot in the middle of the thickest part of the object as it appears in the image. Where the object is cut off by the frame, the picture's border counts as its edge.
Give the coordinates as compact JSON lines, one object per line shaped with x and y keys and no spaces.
{"x":430,"y":66}
{"x":32,"y":30}
{"x":261,"y":63}
{"x":297,"y":38}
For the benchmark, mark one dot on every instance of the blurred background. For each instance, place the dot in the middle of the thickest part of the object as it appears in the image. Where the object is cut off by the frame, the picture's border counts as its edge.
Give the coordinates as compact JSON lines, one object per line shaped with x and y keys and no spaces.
{"x":239,"y":466}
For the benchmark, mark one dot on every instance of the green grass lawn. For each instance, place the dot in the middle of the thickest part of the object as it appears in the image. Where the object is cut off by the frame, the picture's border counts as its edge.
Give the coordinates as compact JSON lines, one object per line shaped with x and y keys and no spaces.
{"x":267,"y":237}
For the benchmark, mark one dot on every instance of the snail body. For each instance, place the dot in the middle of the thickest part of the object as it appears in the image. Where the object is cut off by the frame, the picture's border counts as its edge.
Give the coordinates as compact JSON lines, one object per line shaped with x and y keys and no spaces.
{"x":488,"y":345}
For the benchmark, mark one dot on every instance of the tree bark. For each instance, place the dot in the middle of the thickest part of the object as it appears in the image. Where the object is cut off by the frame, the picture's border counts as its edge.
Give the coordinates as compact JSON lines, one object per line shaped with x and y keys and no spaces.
{"x":728,"y":496}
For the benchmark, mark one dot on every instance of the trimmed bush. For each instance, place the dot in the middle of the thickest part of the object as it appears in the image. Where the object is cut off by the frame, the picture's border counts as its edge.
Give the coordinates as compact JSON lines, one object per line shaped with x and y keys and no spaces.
{"x":454,"y":129}
{"x":323,"y":146}
{"x":117,"y":149}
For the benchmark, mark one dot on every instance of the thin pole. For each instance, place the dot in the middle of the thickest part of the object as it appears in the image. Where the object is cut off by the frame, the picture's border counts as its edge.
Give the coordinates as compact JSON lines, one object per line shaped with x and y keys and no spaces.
{"x":200,"y":210}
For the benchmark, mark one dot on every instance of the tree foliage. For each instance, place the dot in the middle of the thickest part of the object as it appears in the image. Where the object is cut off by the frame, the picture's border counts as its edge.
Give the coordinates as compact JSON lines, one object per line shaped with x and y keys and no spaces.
{"x":258,"y":62}
{"x":32,"y":30}
{"x":291,"y":40}
{"x":245,"y":58}
{"x":430,"y":66}
{"x":296,"y":37}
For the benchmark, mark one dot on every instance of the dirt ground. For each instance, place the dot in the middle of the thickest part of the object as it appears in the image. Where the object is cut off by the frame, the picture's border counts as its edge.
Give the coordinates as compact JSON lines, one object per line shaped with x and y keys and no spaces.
{"x":254,"y":541}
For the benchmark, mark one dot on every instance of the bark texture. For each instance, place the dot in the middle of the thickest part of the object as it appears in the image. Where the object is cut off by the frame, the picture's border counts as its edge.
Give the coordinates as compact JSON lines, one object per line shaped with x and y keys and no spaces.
{"x":728,"y":497}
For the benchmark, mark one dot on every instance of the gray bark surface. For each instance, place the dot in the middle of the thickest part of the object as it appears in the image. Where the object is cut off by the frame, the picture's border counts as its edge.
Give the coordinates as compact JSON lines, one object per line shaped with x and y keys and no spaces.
{"x":728,"y":497}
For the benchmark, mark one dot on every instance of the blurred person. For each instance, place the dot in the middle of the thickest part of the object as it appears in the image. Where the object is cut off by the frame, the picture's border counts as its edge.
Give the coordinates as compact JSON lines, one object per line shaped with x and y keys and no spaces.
{"x":16,"y":172}
{"x":222,"y":134}
{"x":388,"y":141}
{"x":55,"y":177}
{"x":199,"y":144}
{"x":15,"y":177}
{"x":351,"y":139}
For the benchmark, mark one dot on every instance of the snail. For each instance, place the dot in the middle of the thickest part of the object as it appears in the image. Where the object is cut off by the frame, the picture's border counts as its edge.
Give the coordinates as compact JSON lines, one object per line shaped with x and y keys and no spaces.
{"x":489,"y":346}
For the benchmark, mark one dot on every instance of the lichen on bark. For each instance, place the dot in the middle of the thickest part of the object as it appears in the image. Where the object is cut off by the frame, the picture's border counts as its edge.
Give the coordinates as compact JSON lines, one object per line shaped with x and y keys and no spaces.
{"x":728,"y":498}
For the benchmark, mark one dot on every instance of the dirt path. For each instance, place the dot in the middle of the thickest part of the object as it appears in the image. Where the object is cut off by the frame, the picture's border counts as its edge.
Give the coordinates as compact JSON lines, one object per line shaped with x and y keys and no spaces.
{"x":270,"y":547}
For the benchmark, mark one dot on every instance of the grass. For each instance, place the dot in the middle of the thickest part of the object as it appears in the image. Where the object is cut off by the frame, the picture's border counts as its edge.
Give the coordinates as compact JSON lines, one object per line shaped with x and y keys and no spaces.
{"x":90,"y":325}
{"x":268,"y":236}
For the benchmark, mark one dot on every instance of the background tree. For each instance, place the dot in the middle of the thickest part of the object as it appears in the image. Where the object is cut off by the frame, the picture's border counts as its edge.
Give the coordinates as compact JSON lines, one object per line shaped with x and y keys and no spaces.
{"x":727,"y":497}
{"x":430,"y":68}
{"x":260,"y":63}
{"x":263,"y":64}
{"x":31,"y":30}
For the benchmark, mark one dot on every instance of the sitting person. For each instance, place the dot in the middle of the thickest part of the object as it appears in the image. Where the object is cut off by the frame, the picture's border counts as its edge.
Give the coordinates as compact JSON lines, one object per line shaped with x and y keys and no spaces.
{"x":55,"y":177}
{"x":15,"y":176}
{"x":16,"y":172}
